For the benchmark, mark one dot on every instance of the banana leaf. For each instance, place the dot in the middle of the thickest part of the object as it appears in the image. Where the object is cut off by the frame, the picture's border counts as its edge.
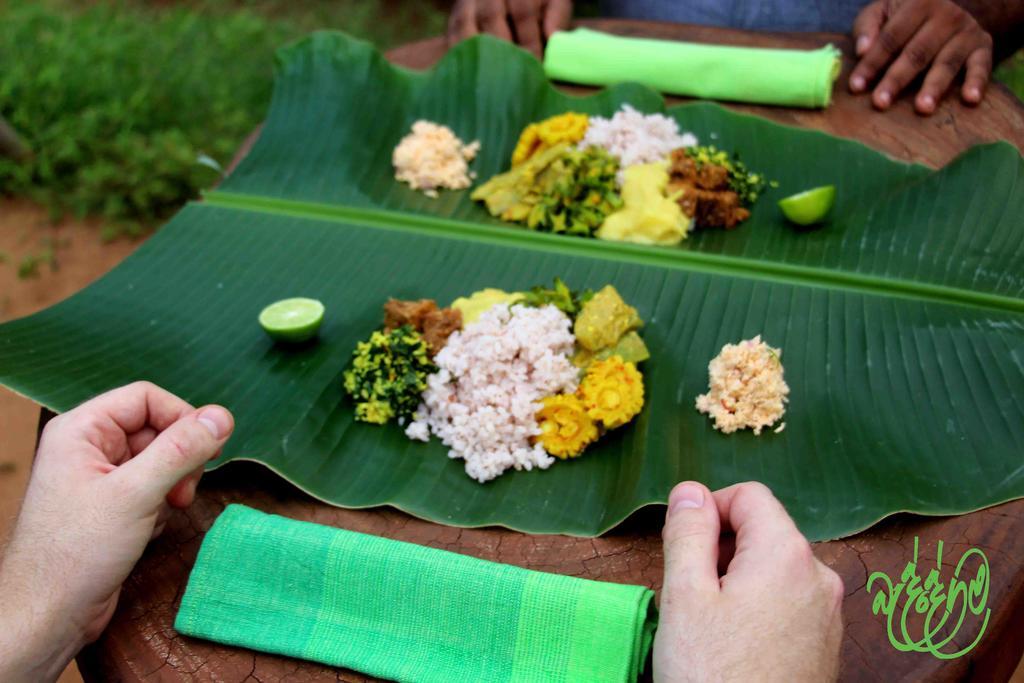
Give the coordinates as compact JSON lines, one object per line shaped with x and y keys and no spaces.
{"x":901,"y":321}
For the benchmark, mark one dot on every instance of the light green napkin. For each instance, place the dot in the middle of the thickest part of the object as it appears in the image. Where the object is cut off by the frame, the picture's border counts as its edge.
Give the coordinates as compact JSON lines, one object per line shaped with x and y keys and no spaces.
{"x":406,"y":612}
{"x":793,"y":78}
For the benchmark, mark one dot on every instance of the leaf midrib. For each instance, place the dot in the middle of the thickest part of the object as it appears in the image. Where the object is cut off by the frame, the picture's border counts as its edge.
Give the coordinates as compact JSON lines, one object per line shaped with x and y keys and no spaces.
{"x":676,"y":259}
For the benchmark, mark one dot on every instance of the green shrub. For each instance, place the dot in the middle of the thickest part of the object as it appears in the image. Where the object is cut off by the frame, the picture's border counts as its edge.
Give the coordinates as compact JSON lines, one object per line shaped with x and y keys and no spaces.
{"x":119,"y":101}
{"x":1011,"y":74}
{"x":118,"y":104}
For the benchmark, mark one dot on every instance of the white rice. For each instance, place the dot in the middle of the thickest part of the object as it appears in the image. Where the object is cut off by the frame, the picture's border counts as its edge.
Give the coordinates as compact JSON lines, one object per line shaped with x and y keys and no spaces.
{"x":483,"y":401}
{"x":636,"y":138}
{"x":746,"y":387}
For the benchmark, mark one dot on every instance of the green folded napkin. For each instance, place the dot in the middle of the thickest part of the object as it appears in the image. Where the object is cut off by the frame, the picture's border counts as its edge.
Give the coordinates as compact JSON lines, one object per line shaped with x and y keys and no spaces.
{"x":406,"y":612}
{"x":793,"y":78}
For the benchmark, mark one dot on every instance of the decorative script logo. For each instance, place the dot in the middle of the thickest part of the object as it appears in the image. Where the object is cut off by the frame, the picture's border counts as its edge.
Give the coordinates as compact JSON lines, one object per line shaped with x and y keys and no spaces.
{"x":930,"y":599}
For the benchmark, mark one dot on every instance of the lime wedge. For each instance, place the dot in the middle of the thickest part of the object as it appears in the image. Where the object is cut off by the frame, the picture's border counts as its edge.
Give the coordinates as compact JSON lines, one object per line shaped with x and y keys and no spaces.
{"x":809,"y":207}
{"x":292,"y":320}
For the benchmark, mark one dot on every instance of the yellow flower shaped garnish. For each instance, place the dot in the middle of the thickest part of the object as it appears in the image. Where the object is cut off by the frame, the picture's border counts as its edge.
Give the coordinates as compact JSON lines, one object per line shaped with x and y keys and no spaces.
{"x":612,"y":392}
{"x":569,"y":127}
{"x":565,"y":429}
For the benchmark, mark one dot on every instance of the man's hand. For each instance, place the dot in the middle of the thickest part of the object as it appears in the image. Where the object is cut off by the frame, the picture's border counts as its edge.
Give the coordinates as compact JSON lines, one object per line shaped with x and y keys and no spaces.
{"x":526,"y":22}
{"x":898,"y":40}
{"x":774,"y":614}
{"x":105,"y":478}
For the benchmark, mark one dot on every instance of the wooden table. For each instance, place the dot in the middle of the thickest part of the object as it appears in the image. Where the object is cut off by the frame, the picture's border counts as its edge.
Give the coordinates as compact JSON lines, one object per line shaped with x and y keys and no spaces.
{"x":141,"y":644}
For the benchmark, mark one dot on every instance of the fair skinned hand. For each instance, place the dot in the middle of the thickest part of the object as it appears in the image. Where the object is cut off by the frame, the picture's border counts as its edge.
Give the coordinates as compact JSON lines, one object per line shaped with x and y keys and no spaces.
{"x":104,"y":481}
{"x":899,"y":40}
{"x":526,"y":22}
{"x":764,"y":611}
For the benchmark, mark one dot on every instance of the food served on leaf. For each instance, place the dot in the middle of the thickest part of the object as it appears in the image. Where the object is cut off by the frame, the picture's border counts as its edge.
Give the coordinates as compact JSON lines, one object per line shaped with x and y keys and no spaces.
{"x":603,"y":319}
{"x":612,"y":391}
{"x":537,"y":137}
{"x":423,"y":316}
{"x":634,"y":138}
{"x":527,"y":377}
{"x":293,"y":320}
{"x":559,"y":189}
{"x":650,"y":215}
{"x":473,"y":306}
{"x":482,"y":403}
{"x":713,"y":188}
{"x":746,"y":388}
{"x":431,"y":157}
{"x":810,"y":206}
{"x":633,"y":177}
{"x":388,"y":373}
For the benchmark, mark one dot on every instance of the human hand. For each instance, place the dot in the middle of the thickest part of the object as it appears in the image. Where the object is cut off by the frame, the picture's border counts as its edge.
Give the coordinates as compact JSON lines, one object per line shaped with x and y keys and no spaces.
{"x":526,"y":22}
{"x":773,"y":615}
{"x":906,"y":38}
{"x":104,"y":481}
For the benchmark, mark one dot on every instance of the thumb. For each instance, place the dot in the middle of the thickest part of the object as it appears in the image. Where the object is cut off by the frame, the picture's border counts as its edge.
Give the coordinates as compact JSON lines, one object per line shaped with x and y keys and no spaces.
{"x":867,"y":25}
{"x":184,"y":446}
{"x":691,"y":543}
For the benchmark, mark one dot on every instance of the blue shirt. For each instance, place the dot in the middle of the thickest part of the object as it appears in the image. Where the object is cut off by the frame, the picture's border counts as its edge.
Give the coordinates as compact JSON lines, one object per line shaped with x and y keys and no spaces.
{"x":763,"y":15}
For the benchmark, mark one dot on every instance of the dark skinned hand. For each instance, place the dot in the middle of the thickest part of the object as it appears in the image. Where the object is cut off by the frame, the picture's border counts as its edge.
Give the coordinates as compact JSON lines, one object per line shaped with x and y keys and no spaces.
{"x":899,"y":40}
{"x":526,"y":22}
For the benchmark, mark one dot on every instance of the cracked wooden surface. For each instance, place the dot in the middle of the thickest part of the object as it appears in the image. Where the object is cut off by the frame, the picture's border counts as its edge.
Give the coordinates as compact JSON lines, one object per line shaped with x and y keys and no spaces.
{"x":141,"y":644}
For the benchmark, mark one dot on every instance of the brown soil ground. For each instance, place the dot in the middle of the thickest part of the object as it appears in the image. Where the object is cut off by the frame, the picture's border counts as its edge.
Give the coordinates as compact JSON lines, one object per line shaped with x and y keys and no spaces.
{"x":80,"y":257}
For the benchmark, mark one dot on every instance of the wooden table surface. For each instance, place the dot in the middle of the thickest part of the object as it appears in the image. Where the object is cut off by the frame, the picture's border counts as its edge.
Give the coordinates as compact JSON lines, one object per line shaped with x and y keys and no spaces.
{"x":141,"y":644}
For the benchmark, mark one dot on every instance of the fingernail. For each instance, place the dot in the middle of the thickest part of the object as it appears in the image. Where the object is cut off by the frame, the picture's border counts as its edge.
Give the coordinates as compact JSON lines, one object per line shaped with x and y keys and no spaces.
{"x":686,"y":496}
{"x":927,"y":102}
{"x":216,"y":420}
{"x":863,"y":43}
{"x":974,"y":94}
{"x":857,"y":83}
{"x":884,"y":98}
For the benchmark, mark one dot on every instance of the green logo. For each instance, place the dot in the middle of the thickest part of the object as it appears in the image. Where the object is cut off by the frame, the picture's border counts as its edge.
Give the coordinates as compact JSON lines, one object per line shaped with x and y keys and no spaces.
{"x":930,"y":599}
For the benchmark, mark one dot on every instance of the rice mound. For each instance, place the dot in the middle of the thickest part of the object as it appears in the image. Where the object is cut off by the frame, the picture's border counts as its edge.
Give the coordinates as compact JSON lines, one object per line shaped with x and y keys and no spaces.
{"x":746,"y":387}
{"x":636,"y":138}
{"x":431,"y":156}
{"x":483,"y":400}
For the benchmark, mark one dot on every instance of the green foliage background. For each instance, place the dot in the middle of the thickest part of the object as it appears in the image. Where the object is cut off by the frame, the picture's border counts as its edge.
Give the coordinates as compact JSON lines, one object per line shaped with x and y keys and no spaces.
{"x":120,"y":99}
{"x":1011,"y":74}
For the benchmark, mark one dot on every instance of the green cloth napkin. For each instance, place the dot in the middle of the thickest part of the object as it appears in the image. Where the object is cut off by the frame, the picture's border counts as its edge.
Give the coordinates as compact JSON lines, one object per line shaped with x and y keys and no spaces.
{"x":793,"y":78}
{"x":406,"y":612}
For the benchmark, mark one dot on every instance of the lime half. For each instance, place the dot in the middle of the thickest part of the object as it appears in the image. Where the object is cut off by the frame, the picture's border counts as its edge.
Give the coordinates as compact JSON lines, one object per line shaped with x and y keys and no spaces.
{"x":292,"y":320}
{"x":809,"y":207}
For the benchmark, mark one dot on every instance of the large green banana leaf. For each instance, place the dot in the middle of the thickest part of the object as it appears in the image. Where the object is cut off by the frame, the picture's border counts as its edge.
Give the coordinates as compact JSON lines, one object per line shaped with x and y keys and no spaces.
{"x":902,"y":321}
